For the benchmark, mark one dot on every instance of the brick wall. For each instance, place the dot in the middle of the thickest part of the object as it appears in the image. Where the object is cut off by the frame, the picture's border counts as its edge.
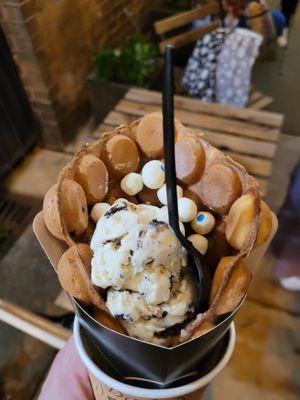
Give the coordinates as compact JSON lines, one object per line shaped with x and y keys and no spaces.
{"x":52,"y":42}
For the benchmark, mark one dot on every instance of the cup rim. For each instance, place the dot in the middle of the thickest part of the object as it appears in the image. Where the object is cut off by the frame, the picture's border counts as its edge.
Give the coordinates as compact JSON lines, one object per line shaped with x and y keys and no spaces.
{"x":152,"y":393}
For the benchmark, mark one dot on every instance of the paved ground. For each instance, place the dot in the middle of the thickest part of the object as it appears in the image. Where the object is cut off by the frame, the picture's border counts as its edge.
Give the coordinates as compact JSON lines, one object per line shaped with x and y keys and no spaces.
{"x":266,"y":361}
{"x":27,"y":279}
{"x":277,"y":75}
{"x":37,"y":173}
{"x":288,"y":152}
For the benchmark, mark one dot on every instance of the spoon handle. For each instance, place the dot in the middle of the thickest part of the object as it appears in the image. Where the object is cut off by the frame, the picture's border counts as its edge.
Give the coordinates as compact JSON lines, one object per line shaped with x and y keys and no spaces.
{"x":169,"y":142}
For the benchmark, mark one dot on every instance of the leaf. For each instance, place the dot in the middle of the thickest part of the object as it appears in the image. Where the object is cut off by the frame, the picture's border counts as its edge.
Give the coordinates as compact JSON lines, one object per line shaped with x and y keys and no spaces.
{"x":105,"y":64}
{"x":3,"y":232}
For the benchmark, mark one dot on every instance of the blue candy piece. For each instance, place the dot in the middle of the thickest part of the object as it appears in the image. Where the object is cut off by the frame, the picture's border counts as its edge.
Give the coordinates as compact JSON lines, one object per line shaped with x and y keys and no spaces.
{"x":203,"y":223}
{"x":200,"y":218}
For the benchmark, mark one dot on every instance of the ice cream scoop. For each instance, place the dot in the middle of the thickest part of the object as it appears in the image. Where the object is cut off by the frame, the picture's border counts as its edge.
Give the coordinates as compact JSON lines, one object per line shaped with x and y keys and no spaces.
{"x":153,"y":323}
{"x":139,"y":260}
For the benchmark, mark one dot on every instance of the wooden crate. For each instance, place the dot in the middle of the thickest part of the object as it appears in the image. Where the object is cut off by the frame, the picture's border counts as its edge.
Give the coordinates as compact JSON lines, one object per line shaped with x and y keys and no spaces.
{"x":249,"y":136}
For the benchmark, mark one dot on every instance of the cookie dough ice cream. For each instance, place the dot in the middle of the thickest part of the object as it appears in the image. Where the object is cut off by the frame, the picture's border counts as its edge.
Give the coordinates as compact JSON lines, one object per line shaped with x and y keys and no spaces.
{"x":140,"y":262}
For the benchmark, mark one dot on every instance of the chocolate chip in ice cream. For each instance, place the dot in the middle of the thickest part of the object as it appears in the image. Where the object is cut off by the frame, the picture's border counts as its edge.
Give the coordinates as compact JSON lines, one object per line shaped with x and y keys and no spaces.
{"x":175,"y":329}
{"x":155,"y":223}
{"x":114,"y":209}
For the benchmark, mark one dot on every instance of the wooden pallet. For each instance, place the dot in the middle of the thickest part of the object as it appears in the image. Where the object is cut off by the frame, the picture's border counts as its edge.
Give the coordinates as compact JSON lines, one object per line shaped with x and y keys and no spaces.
{"x":249,"y":136}
{"x":170,"y":24}
{"x":28,"y":322}
{"x":259,"y":101}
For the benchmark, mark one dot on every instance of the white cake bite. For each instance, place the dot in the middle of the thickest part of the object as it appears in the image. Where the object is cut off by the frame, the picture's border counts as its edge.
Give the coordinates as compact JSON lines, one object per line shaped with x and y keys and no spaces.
{"x":153,"y":174}
{"x":187,"y":209}
{"x":98,"y":210}
{"x":162,"y":194}
{"x":132,"y":183}
{"x":199,"y":242}
{"x":203,"y":223}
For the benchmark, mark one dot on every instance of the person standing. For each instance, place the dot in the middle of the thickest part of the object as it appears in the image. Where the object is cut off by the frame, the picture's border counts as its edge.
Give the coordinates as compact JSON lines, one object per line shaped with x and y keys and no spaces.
{"x":285,"y":246}
{"x":288,"y":9}
{"x":255,"y":15}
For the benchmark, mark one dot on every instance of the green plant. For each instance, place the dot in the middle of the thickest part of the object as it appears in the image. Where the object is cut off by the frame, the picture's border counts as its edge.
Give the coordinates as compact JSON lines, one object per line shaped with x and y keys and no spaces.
{"x":137,"y":60}
{"x":3,"y":232}
{"x":132,"y":64}
{"x":178,"y":5}
{"x":105,"y":62}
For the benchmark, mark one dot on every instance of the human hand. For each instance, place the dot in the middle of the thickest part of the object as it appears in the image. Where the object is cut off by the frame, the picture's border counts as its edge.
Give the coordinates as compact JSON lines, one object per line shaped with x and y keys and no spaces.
{"x":68,"y":377}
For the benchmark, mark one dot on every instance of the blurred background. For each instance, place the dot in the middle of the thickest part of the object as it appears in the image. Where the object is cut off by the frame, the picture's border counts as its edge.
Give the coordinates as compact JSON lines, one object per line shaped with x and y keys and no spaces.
{"x":71,"y":70}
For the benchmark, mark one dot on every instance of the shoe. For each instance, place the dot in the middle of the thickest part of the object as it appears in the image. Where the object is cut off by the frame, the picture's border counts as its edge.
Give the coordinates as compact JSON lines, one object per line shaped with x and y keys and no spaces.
{"x":283,"y":39}
{"x":291,"y":283}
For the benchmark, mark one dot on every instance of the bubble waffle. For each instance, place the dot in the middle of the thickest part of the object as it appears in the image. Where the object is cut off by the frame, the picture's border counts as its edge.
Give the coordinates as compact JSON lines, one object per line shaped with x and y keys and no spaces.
{"x":69,"y":275}
{"x":217,"y":183}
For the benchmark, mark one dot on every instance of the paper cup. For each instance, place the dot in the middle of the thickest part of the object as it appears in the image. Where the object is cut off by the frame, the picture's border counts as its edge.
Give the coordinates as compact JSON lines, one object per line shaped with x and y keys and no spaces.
{"x":108,"y":385}
{"x":103,"y":392}
{"x":142,"y":360}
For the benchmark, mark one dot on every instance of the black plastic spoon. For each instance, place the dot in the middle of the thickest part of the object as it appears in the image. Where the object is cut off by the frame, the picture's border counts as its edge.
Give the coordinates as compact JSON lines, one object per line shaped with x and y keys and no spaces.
{"x":195,"y":258}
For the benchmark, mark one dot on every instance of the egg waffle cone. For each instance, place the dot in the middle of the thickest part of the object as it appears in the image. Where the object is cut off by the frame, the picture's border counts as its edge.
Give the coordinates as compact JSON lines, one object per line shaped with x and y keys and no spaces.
{"x":214,"y":180}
